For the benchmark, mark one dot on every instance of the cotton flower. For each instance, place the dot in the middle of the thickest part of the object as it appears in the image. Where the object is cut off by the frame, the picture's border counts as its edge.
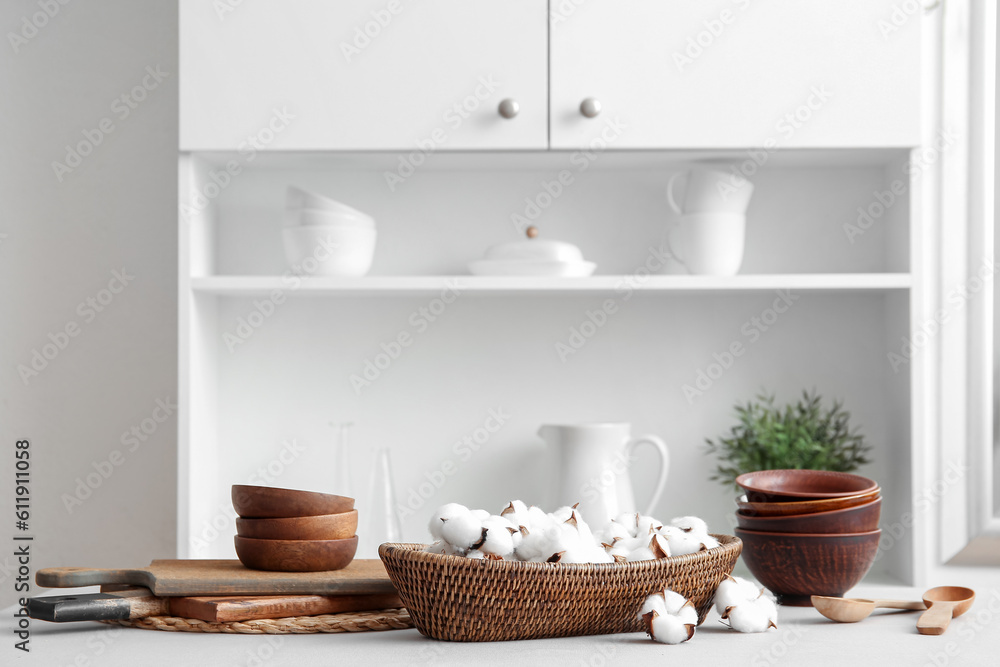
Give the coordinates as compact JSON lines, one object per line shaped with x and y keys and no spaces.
{"x":690,"y":524}
{"x":442,"y":514}
{"x":498,"y":537}
{"x":682,"y":543}
{"x":746,"y":606}
{"x":462,"y":530}
{"x":669,"y":617}
{"x":442,"y":547}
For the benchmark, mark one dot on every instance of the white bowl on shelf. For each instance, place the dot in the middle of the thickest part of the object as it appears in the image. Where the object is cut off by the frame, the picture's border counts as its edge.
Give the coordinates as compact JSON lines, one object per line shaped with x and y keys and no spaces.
{"x":308,"y":217}
{"x":297,"y":198}
{"x":329,"y":250}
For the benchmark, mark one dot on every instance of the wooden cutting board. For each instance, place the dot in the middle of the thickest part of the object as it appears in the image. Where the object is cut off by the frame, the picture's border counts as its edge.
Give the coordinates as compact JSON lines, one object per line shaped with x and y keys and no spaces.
{"x":181,"y":578}
{"x":121,"y":602}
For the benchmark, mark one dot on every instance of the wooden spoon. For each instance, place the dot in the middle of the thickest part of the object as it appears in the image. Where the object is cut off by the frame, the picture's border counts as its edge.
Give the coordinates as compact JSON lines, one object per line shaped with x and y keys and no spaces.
{"x":852,"y":610}
{"x":943,"y":604}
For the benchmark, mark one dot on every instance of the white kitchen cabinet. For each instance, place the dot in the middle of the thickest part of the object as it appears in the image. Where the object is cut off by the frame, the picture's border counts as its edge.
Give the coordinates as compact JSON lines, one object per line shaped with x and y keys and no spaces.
{"x":374,"y":74}
{"x":732,"y":73}
{"x":267,"y":359}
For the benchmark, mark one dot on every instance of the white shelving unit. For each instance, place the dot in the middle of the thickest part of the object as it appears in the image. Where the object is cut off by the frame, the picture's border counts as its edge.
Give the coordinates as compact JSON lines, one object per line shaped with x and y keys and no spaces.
{"x":256,"y":377}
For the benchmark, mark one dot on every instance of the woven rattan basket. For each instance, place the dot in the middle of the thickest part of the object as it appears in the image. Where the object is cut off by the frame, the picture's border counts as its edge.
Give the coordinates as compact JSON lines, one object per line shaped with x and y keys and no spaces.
{"x":458,"y":599}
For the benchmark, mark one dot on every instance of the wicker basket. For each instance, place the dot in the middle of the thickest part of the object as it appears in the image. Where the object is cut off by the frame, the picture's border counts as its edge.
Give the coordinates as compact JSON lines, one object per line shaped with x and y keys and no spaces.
{"x":458,"y":599}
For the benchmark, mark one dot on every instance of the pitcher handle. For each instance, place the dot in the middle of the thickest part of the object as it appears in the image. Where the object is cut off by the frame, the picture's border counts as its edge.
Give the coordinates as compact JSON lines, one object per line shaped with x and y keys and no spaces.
{"x":661,"y":482}
{"x":670,"y":192}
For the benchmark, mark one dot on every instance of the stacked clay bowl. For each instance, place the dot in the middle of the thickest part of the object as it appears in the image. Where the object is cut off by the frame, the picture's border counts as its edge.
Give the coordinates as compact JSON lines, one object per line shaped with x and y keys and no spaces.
{"x":808,"y":532}
{"x":285,"y":530}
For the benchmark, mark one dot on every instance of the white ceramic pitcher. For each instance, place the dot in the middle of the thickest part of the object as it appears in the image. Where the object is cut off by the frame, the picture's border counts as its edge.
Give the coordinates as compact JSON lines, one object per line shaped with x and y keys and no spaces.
{"x":593,"y":468}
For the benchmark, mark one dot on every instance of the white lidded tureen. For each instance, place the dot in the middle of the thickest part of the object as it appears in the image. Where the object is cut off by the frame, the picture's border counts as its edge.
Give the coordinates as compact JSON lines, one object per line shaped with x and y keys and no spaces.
{"x":533,"y":257}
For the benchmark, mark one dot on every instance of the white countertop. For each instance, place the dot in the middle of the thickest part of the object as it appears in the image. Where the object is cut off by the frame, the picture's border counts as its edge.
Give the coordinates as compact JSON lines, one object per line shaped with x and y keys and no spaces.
{"x":802,"y":638}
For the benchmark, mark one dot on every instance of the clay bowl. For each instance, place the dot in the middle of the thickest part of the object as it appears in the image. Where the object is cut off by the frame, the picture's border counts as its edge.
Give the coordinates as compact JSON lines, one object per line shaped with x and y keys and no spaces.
{"x":778,"y":486}
{"x":265,"y":502}
{"x":796,"y":566}
{"x":296,"y":555}
{"x":860,"y":519}
{"x":805,"y":506}
{"x":322,"y":527}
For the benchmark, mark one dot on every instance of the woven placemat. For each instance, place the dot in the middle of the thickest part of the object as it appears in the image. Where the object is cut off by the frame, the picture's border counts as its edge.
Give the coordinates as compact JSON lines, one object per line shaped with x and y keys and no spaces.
{"x":358,"y":621}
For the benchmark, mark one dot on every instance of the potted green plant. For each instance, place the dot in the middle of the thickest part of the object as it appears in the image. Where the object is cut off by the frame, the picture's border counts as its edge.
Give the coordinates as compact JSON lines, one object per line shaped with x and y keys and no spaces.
{"x":803,"y":435}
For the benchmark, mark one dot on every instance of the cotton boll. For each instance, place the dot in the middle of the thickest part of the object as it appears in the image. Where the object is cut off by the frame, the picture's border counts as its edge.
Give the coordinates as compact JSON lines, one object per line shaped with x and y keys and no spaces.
{"x":482,"y":515}
{"x":753,"y":616}
{"x":612,"y":530}
{"x":537,"y":518}
{"x":644,"y":525}
{"x":539,"y":544}
{"x":682,"y":543}
{"x":498,"y":539}
{"x":562,"y":514}
{"x":475,"y":554}
{"x":690,"y":524}
{"x":655,"y":602}
{"x":733,"y":591}
{"x":667,"y":629}
{"x":442,"y":547}
{"x":517,"y":513}
{"x":626,"y":546}
{"x":659,"y":546}
{"x":462,"y":530}
{"x":709,"y":542}
{"x":442,"y":514}
{"x":677,"y":605}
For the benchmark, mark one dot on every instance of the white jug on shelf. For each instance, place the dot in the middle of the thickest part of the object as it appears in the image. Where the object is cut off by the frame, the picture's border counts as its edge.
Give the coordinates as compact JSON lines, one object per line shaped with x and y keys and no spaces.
{"x":593,"y":468}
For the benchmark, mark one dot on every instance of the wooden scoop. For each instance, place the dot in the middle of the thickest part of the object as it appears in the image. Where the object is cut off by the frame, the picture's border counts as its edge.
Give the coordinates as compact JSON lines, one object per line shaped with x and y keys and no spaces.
{"x":852,"y":610}
{"x":943,"y":604}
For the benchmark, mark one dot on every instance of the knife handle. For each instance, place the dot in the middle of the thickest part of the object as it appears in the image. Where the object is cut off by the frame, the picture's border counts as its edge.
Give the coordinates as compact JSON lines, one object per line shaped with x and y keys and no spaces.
{"x":94,"y":607}
{"x":73,"y":577}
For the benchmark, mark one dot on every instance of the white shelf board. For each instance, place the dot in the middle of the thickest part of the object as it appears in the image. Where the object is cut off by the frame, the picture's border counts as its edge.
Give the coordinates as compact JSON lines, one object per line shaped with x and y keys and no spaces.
{"x":554,"y":159}
{"x":404,"y":285}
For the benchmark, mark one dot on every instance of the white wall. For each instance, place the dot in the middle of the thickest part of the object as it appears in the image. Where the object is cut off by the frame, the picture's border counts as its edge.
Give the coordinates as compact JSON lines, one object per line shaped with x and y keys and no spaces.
{"x":62,"y":242}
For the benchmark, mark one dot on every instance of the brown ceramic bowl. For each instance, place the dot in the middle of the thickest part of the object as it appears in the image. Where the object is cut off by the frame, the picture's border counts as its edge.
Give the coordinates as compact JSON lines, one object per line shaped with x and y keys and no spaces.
{"x":860,"y":519}
{"x":296,"y":555}
{"x":265,"y":502}
{"x":805,"y":506}
{"x":778,"y":486}
{"x":796,"y":566}
{"x":322,"y":527}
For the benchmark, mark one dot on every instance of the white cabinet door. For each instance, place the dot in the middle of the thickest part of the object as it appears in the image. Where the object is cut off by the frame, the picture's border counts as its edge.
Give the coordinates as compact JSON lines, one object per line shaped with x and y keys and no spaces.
{"x":366,"y":74}
{"x":735,"y":73}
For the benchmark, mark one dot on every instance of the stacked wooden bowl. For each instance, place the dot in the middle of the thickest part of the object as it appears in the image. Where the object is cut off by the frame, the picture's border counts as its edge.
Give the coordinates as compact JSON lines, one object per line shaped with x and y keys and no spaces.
{"x":285,"y":530}
{"x":808,"y":532}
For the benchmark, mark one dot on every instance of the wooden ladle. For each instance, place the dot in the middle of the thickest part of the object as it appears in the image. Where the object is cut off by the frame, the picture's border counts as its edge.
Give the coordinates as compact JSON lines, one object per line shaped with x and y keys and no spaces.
{"x":943,"y":604}
{"x":852,"y":610}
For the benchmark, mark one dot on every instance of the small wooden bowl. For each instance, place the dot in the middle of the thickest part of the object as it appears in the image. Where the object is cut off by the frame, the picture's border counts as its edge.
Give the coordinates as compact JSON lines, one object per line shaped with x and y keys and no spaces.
{"x":778,"y":486}
{"x":322,"y":527}
{"x":860,"y":519}
{"x":805,"y":506}
{"x":797,"y":566}
{"x":296,"y":555}
{"x":265,"y":502}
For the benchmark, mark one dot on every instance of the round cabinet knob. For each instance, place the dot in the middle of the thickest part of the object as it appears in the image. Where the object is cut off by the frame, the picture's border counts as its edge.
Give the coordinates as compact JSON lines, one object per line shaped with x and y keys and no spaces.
{"x":508,"y":108}
{"x":590,"y":107}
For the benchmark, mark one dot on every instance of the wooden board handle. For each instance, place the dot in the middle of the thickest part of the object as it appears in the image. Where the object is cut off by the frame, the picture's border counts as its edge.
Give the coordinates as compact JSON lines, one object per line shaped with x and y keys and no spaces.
{"x":72,"y":577}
